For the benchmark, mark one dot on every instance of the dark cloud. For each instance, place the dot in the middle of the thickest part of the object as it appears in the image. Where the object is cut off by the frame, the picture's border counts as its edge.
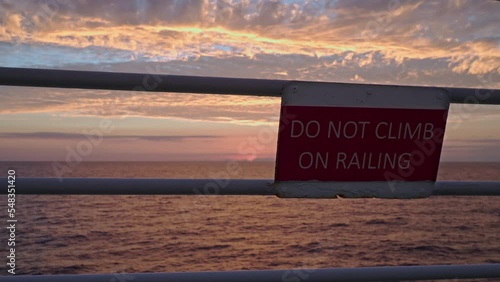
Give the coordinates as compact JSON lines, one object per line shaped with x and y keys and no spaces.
{"x":75,"y":136}
{"x":486,"y":150}
{"x":494,"y":142}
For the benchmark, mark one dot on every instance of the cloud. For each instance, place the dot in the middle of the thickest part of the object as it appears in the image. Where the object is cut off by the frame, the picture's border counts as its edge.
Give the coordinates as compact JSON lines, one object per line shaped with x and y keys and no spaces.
{"x":464,"y":143}
{"x":357,"y":78}
{"x":439,"y":43}
{"x":397,"y":31}
{"x":75,"y":136}
{"x":388,"y":42}
{"x":467,"y":150}
{"x":119,"y":104}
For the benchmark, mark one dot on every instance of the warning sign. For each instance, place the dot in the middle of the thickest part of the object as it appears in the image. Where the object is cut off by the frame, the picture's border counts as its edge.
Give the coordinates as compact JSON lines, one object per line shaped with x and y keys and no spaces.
{"x":351,"y":133}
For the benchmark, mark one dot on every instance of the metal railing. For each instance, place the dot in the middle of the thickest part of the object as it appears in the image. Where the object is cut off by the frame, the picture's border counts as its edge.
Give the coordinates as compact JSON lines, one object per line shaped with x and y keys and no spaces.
{"x":189,"y":84}
{"x":232,"y":86}
{"x":161,"y":186}
{"x":381,"y":273}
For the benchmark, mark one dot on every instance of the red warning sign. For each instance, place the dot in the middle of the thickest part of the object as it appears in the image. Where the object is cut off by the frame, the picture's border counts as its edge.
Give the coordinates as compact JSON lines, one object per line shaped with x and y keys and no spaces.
{"x":328,"y":143}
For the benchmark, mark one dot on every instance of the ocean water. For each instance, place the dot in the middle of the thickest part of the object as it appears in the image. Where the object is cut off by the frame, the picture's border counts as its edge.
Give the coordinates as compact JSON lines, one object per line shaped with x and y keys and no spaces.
{"x":106,"y":234}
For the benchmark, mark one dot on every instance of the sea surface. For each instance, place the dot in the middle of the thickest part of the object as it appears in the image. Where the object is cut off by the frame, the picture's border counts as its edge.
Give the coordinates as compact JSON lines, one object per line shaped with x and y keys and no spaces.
{"x":107,"y":234}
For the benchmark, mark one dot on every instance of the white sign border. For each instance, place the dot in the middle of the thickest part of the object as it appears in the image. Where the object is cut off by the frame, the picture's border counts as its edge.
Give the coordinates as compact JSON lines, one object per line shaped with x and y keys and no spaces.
{"x":361,"y":189}
{"x":322,"y":94}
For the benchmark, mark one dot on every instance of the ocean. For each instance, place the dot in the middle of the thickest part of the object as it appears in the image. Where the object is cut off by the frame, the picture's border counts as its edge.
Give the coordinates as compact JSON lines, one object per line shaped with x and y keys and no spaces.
{"x":108,"y":234}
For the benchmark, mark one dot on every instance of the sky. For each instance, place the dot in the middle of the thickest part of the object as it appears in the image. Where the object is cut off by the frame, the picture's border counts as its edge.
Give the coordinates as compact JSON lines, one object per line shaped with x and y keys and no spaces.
{"x":427,"y":43}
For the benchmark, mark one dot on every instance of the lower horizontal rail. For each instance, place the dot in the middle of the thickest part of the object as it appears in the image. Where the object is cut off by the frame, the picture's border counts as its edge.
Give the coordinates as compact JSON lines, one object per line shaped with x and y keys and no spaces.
{"x":382,"y":273}
{"x":142,"y":186}
{"x":159,"y":186}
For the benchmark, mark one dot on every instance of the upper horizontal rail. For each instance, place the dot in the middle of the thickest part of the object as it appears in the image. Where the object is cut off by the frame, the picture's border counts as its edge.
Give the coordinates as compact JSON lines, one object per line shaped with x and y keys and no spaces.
{"x":139,"y":81}
{"x":378,"y":273}
{"x":188,"y":84}
{"x":159,"y":186}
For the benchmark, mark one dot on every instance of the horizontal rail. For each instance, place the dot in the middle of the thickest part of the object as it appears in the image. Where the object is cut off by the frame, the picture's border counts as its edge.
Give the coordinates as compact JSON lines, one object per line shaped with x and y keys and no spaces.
{"x":381,"y":273}
{"x":188,"y":84}
{"x":467,"y":188}
{"x":158,"y":186}
{"x":142,"y":186}
{"x":139,"y":81}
